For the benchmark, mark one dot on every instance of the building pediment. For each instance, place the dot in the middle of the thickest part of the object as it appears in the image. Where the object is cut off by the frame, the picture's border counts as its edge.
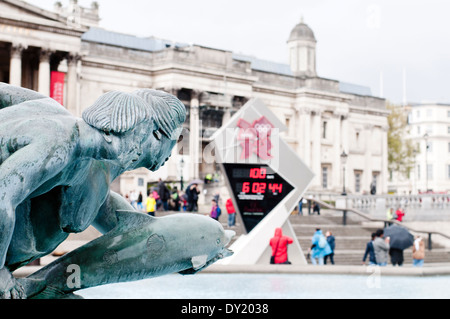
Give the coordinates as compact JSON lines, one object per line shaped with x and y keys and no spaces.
{"x":21,"y":13}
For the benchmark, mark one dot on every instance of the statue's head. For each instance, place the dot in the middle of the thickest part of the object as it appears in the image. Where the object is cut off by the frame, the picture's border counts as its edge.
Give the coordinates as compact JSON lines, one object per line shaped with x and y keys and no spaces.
{"x":142,"y":127}
{"x":168,"y":115}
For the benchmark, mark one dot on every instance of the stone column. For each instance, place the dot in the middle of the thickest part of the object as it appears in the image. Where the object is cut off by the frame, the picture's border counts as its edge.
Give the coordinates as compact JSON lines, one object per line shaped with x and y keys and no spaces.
{"x":346,"y":148}
{"x":194,"y":135}
{"x":337,"y":151}
{"x":316,"y":158}
{"x":44,"y":72}
{"x":368,"y":165}
{"x":15,"y":70}
{"x":72,"y":84}
{"x":304,"y":135}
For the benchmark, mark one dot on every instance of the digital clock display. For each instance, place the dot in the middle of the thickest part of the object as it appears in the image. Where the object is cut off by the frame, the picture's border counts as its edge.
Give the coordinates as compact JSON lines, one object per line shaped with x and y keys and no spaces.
{"x":257,"y":189}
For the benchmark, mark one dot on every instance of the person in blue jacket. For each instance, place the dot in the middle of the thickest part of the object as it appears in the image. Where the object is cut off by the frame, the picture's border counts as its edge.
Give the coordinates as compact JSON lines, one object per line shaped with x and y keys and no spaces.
{"x":332,"y":242}
{"x":370,"y":251}
{"x":320,"y":248}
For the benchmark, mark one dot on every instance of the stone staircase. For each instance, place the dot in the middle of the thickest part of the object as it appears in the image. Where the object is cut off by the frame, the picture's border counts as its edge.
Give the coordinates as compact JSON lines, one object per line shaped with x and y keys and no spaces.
{"x":351,"y":239}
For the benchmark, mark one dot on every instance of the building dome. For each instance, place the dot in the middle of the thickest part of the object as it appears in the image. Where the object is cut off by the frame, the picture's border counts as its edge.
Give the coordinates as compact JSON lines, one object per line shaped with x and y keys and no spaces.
{"x":302,"y":50}
{"x":302,"y":32}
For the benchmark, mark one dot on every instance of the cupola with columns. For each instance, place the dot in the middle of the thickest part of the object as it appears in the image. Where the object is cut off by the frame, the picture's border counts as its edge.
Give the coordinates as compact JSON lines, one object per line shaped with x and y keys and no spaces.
{"x":302,"y":50}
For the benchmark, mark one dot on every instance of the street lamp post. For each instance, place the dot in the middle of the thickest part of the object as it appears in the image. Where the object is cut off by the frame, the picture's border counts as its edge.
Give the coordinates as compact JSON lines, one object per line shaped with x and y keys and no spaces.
{"x":181,"y":175}
{"x":344,"y":157}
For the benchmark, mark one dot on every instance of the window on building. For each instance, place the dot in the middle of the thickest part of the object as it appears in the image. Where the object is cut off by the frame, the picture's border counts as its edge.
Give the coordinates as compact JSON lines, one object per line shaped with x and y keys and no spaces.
{"x":357,"y":140}
{"x":418,"y":130}
{"x":448,"y":129}
{"x":288,"y":125}
{"x":324,"y":177}
{"x":418,"y":114}
{"x":430,"y":147}
{"x":140,"y":182}
{"x":357,"y":182}
{"x":429,"y":112}
{"x":324,"y":129}
{"x":448,"y":170}
{"x":449,"y":147}
{"x":418,"y":172}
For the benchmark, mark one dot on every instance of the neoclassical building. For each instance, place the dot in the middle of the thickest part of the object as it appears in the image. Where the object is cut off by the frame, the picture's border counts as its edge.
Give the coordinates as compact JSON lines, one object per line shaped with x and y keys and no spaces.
{"x":429,"y":129}
{"x":66,"y":55}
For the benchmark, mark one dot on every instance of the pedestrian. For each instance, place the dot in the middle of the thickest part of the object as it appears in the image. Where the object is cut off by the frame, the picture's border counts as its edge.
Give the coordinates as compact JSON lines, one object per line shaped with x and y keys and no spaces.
{"x":373,"y":188}
{"x":370,"y":251}
{"x":192,"y":193}
{"x":164,"y":194}
{"x":279,"y":244}
{"x":215,"y":210}
{"x":157,"y":199}
{"x":316,"y":208}
{"x":140,"y":205}
{"x":381,"y":247}
{"x":184,"y":202}
{"x":300,"y":206}
{"x":400,"y":214}
{"x":390,"y":215}
{"x":175,"y":200}
{"x":151,"y":204}
{"x":332,"y":242}
{"x":320,"y":248}
{"x":231,"y":213}
{"x":217,"y":197}
{"x":418,"y":252}
{"x":397,"y":258}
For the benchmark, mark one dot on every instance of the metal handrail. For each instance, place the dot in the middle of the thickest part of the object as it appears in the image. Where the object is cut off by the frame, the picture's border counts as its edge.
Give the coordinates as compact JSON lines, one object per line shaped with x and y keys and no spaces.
{"x":361,"y":214}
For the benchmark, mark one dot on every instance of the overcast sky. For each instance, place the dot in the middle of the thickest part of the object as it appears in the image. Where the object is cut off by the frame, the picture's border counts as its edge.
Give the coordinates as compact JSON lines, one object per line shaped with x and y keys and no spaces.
{"x":358,"y":40}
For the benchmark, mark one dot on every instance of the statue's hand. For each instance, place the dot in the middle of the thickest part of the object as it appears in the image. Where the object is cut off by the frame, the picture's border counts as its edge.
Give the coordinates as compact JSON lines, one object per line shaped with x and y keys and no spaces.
{"x":10,"y":288}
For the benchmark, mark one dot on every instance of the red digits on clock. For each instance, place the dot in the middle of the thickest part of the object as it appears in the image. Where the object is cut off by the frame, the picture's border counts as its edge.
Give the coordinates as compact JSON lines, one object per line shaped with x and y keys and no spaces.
{"x":256,"y":188}
{"x":276,"y":188}
{"x":258,"y":173}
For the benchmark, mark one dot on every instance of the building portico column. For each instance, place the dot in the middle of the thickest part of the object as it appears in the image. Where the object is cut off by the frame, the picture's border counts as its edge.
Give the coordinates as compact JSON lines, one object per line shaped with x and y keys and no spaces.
{"x":44,"y":72}
{"x":194,"y":135}
{"x":316,"y":158}
{"x":304,"y":135}
{"x":15,"y":70}
{"x":368,"y":165}
{"x":337,"y":151}
{"x":72,"y":84}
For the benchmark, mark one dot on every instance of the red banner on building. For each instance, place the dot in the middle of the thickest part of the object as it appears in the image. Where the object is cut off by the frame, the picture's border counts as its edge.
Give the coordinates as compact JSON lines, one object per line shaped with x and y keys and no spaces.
{"x":57,"y":86}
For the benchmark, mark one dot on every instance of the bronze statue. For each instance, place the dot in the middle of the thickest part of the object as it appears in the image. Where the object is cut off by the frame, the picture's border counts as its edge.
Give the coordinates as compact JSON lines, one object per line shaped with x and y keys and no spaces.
{"x":56,"y":170}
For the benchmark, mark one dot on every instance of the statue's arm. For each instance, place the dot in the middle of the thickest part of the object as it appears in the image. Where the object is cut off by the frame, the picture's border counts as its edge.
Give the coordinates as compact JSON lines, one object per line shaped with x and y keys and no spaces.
{"x":12,"y":95}
{"x":106,"y":219}
{"x":21,"y":174}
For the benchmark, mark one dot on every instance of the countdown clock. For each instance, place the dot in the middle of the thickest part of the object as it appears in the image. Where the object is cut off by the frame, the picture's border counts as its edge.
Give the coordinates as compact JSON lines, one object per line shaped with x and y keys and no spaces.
{"x":265,"y":180}
{"x":257,"y":189}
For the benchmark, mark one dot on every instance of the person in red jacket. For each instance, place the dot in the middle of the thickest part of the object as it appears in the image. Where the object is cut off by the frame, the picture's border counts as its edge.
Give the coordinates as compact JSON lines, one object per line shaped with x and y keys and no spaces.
{"x":231,"y":212}
{"x":400,"y":214}
{"x":279,"y":244}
